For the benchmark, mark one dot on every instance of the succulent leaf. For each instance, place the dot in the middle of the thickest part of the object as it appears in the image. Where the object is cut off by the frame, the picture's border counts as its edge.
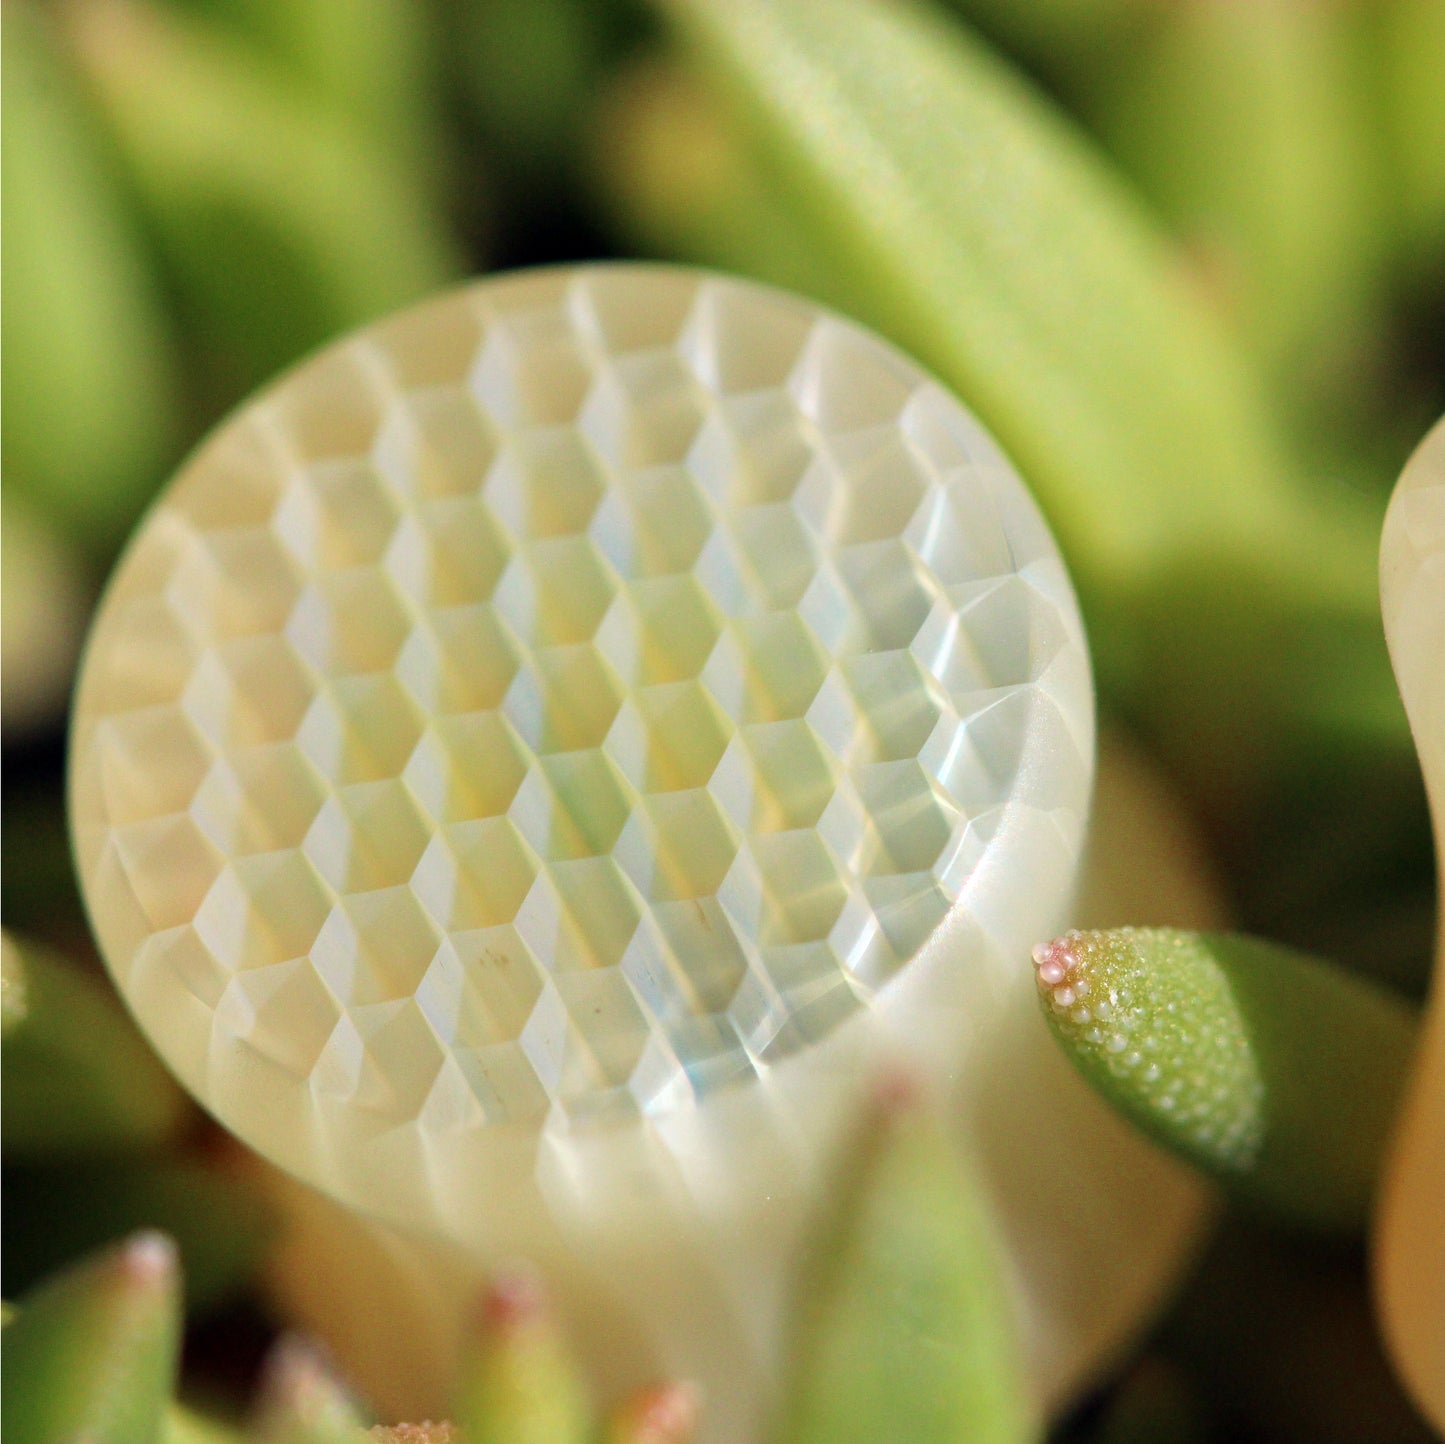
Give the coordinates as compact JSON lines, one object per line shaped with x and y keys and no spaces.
{"x":904,"y":1325}
{"x":519,"y":1384}
{"x":1273,"y":1071}
{"x":932,"y":185}
{"x":77,"y":1078}
{"x":93,"y":1352}
{"x":301,"y":1401}
{"x":667,"y":1414}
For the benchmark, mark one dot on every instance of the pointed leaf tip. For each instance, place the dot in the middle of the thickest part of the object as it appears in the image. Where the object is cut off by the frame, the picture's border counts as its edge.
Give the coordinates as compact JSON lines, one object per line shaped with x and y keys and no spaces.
{"x":905,"y":1327}
{"x":93,"y":1351}
{"x":664,"y":1414}
{"x":519,"y":1382}
{"x":1273,"y":1071}
{"x":301,"y":1401}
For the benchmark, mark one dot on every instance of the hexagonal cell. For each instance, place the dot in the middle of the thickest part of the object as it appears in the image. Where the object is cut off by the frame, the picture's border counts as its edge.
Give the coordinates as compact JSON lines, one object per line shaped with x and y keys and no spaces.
{"x":958,"y":534}
{"x":400,"y":1059}
{"x":466,"y":767}
{"x":779,"y":552}
{"x":886,"y":481}
{"x":805,"y":889}
{"x":331,"y":406}
{"x":952,"y":759}
{"x":555,"y":592}
{"x":460,"y":659}
{"x":765,"y":669}
{"x":563,"y":699}
{"x":546,"y":483}
{"x":430,"y":344}
{"x":150,"y":763}
{"x":451,"y":1106}
{"x":504,"y":1083}
{"x":796,"y":774}
{"x":170,"y":865}
{"x":818,"y":994}
{"x":337,"y":514}
{"x":863,"y":949}
{"x":590,"y":1039}
{"x":539,"y":816}
{"x":710,"y":1052}
{"x":242,"y":582}
{"x":548,"y":931}
{"x":359,"y":729}
{"x":676,"y":845}
{"x":284,"y":1011}
{"x":889,"y":593}
{"x":838,"y":722}
{"x":474,"y":874}
{"x":944,"y":649}
{"x":996,"y":731}
{"x":262,"y":910}
{"x":531,"y":370}
{"x":644,"y":409}
{"x":723,"y":573}
{"x":348,"y":622}
{"x":909,"y":907}
{"x":828,"y":611}
{"x":752,"y":451}
{"x":700,"y":965}
{"x":679,"y":628}
{"x":448,"y":552}
{"x":236,"y":476}
{"x":914,"y":821}
{"x":263,"y":799}
{"x":626,"y":309}
{"x":374,"y":947}
{"x":821,"y":499}
{"x":481,"y":987}
{"x":1016,"y":632}
{"x":846,"y":381}
{"x":587,"y":789}
{"x":652,"y":523}
{"x":149,"y":658}
{"x":738,"y":340}
{"x":896,"y":698}
{"x":604,"y":908}
{"x":369,"y":835}
{"x":249,"y":692}
{"x":668,"y":737}
{"x":846,"y":828}
{"x":435,"y":443}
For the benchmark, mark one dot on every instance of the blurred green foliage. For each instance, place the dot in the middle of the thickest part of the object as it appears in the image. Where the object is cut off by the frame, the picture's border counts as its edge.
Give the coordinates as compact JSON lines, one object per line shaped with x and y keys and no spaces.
{"x":1188,"y":261}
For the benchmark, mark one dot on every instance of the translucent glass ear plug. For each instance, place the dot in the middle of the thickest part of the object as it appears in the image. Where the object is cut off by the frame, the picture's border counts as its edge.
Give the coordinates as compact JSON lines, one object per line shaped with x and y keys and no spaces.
{"x":543,"y":754}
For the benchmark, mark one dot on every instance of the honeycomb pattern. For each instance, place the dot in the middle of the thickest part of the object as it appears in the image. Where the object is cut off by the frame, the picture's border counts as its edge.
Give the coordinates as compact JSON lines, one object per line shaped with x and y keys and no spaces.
{"x":561,"y":701}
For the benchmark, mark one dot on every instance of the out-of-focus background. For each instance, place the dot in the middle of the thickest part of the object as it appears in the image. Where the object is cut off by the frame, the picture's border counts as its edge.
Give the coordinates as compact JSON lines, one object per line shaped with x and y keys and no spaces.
{"x":199,"y":192}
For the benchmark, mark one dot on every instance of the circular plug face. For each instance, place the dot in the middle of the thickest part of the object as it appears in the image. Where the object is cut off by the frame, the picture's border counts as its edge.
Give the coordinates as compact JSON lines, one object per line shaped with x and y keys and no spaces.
{"x":569,"y":702}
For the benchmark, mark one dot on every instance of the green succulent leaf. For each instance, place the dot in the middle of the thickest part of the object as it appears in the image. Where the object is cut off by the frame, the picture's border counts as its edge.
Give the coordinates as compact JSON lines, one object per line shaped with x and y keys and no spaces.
{"x":93,"y":1352}
{"x":1247,"y":124}
{"x":946,"y":203}
{"x":1273,"y":1071}
{"x":302,"y":1402}
{"x":519,"y":1383}
{"x":78,"y":1080}
{"x":667,"y":1414}
{"x":89,"y":385}
{"x":280,"y":224}
{"x":904,"y":1325}
{"x":188,"y":1426}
